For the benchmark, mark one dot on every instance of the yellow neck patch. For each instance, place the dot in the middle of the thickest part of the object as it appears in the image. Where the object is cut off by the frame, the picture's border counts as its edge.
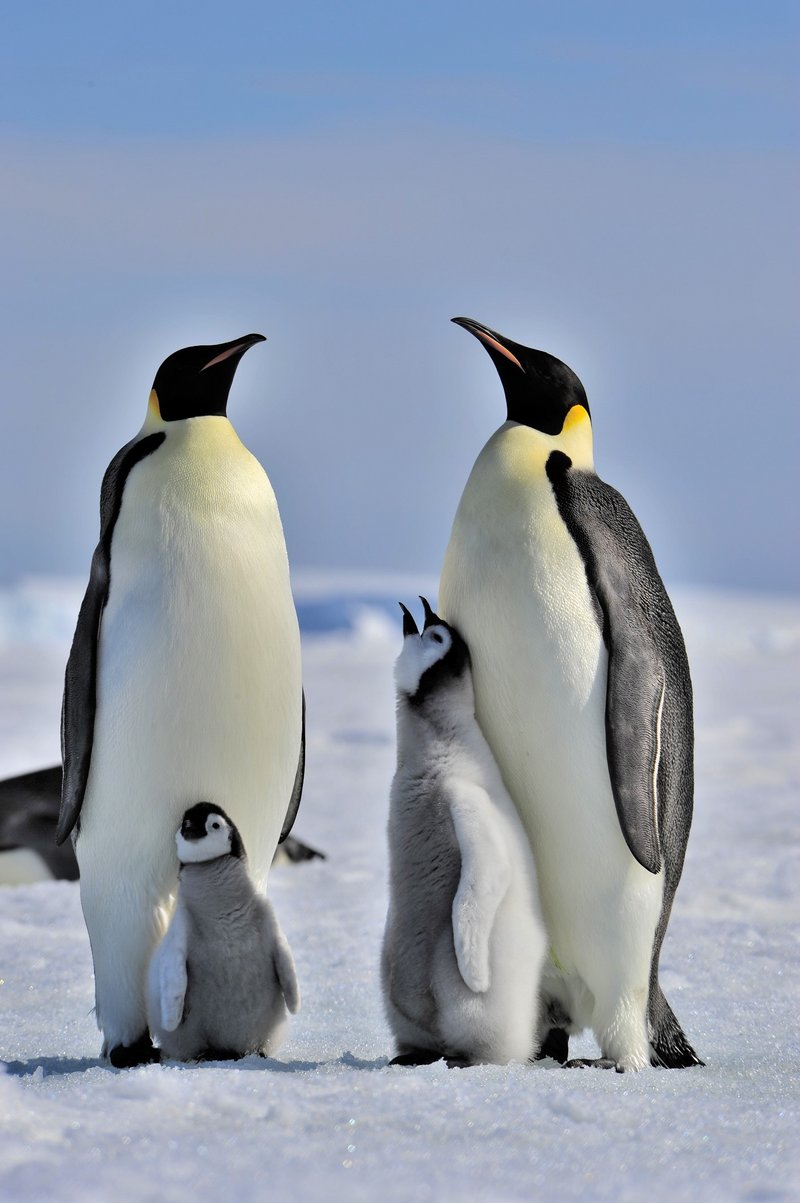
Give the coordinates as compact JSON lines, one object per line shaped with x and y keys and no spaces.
{"x":575,"y":439}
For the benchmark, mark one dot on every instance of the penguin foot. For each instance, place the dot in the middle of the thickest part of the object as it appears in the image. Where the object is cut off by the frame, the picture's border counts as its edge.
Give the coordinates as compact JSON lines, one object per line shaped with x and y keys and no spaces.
{"x":555,"y":1045}
{"x":219,"y":1054}
{"x":593,"y":1063}
{"x":141,"y":1052}
{"x":416,"y":1056}
{"x":458,"y":1062}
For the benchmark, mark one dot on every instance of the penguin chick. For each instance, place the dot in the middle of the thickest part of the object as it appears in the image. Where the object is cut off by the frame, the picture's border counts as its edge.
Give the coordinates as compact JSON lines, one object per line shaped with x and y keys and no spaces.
{"x":464,"y":940}
{"x":222,"y":978}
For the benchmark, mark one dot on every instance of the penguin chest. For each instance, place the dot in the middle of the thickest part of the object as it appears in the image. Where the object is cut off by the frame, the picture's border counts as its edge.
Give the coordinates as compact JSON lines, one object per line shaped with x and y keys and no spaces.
{"x":199,"y":694}
{"x":514,"y":583}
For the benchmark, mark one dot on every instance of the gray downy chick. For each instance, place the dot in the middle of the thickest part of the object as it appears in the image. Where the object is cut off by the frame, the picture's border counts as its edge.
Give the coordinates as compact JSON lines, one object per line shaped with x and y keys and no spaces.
{"x":222,"y":979}
{"x":464,"y":940}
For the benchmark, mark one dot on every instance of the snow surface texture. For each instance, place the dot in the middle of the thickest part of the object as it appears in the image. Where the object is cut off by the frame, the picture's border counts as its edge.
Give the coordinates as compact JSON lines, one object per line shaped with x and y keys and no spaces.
{"x":328,"y":1119}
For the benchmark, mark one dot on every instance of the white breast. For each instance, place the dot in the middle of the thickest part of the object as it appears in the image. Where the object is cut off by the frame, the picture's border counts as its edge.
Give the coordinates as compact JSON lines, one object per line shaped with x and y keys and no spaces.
{"x":514,"y":584}
{"x":199,"y":684}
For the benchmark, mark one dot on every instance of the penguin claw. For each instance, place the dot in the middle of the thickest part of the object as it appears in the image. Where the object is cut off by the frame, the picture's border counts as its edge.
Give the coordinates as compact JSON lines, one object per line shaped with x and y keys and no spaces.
{"x":593,"y":1063}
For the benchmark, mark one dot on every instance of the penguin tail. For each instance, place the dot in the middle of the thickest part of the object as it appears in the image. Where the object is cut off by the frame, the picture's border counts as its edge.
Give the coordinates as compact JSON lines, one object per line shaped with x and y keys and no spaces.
{"x":671,"y":1049}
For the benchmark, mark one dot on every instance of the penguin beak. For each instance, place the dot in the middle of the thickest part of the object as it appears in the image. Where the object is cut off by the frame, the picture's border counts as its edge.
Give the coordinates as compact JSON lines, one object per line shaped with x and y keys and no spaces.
{"x":496,"y":344}
{"x":236,"y":346}
{"x":431,"y":619}
{"x":409,"y":625}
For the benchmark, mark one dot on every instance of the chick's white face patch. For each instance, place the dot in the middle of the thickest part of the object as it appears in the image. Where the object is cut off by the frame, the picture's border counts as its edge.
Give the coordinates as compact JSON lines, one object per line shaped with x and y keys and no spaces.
{"x":216,"y":842}
{"x":418,"y":654}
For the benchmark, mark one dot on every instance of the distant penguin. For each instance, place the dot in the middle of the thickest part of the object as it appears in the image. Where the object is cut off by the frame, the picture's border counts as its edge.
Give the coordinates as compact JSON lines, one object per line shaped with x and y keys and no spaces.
{"x":464,"y":938}
{"x":222,"y":978}
{"x":29,"y":806}
{"x":184,"y":675}
{"x":583,"y":691}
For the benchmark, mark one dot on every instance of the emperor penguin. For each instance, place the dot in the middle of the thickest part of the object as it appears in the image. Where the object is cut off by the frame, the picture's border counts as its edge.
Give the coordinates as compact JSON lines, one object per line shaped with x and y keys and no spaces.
{"x":583,"y":692}
{"x":221,"y":980}
{"x":184,"y":677}
{"x":464,"y":939}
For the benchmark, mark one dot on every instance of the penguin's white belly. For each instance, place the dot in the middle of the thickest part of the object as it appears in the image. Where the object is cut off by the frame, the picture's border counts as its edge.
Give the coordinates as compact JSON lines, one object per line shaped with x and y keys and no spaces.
{"x":519,"y":596}
{"x":199,"y":684}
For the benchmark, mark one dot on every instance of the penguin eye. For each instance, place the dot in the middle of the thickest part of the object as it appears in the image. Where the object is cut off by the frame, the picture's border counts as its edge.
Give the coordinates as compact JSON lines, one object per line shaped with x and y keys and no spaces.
{"x":215,"y":826}
{"x":437,"y":638}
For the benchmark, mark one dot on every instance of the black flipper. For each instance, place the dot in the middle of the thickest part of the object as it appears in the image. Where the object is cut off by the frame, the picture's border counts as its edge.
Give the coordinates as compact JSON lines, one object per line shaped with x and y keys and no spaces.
{"x":624,"y":579}
{"x":80,"y":682}
{"x":649,"y":725}
{"x":297,"y":789}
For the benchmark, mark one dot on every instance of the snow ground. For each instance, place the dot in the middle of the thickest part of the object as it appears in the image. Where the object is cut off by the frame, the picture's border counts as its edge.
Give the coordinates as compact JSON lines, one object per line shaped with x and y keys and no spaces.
{"x":328,"y":1119}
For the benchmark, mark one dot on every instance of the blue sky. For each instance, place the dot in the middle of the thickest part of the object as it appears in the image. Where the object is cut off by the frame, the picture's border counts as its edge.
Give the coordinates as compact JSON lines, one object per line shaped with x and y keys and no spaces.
{"x":615,"y":183}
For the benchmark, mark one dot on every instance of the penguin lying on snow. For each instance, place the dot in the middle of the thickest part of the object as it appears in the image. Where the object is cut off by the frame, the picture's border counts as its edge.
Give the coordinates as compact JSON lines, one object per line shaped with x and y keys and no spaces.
{"x":184,"y":678}
{"x":464,"y":938}
{"x":582,"y":689}
{"x":222,"y":978}
{"x":29,"y":806}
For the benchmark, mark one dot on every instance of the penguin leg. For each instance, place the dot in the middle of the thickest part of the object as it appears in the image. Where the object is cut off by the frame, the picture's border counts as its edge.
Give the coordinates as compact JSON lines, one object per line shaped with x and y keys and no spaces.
{"x":555,"y":1023}
{"x":140,"y":1052}
{"x":416,"y":1045}
{"x":555,"y":1045}
{"x":620,"y":1026}
{"x":125,"y":922}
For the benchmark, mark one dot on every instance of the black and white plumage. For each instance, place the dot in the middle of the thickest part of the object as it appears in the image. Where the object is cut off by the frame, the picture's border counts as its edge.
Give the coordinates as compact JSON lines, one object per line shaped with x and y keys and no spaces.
{"x":583,"y":692}
{"x":464,"y":937}
{"x":184,"y":678}
{"x":29,"y":805}
{"x":222,"y":979}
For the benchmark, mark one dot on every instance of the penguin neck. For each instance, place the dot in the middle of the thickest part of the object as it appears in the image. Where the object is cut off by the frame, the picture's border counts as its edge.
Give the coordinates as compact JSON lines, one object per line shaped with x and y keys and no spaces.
{"x":448,"y":715}
{"x":220,"y":883}
{"x":217,"y":428}
{"x":518,"y":454}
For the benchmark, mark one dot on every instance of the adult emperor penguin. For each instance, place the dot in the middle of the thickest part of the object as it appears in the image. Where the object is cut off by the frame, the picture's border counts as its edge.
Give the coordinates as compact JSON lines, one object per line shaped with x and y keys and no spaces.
{"x":221,"y":981}
{"x":184,"y":677}
{"x":464,"y":939}
{"x":583,"y":692}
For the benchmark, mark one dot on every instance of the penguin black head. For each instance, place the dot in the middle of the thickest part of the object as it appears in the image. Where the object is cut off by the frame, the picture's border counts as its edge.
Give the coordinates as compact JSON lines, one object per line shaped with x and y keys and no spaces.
{"x":431,"y":659}
{"x":195,"y":382}
{"x":206,"y":833}
{"x":540,"y":389}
